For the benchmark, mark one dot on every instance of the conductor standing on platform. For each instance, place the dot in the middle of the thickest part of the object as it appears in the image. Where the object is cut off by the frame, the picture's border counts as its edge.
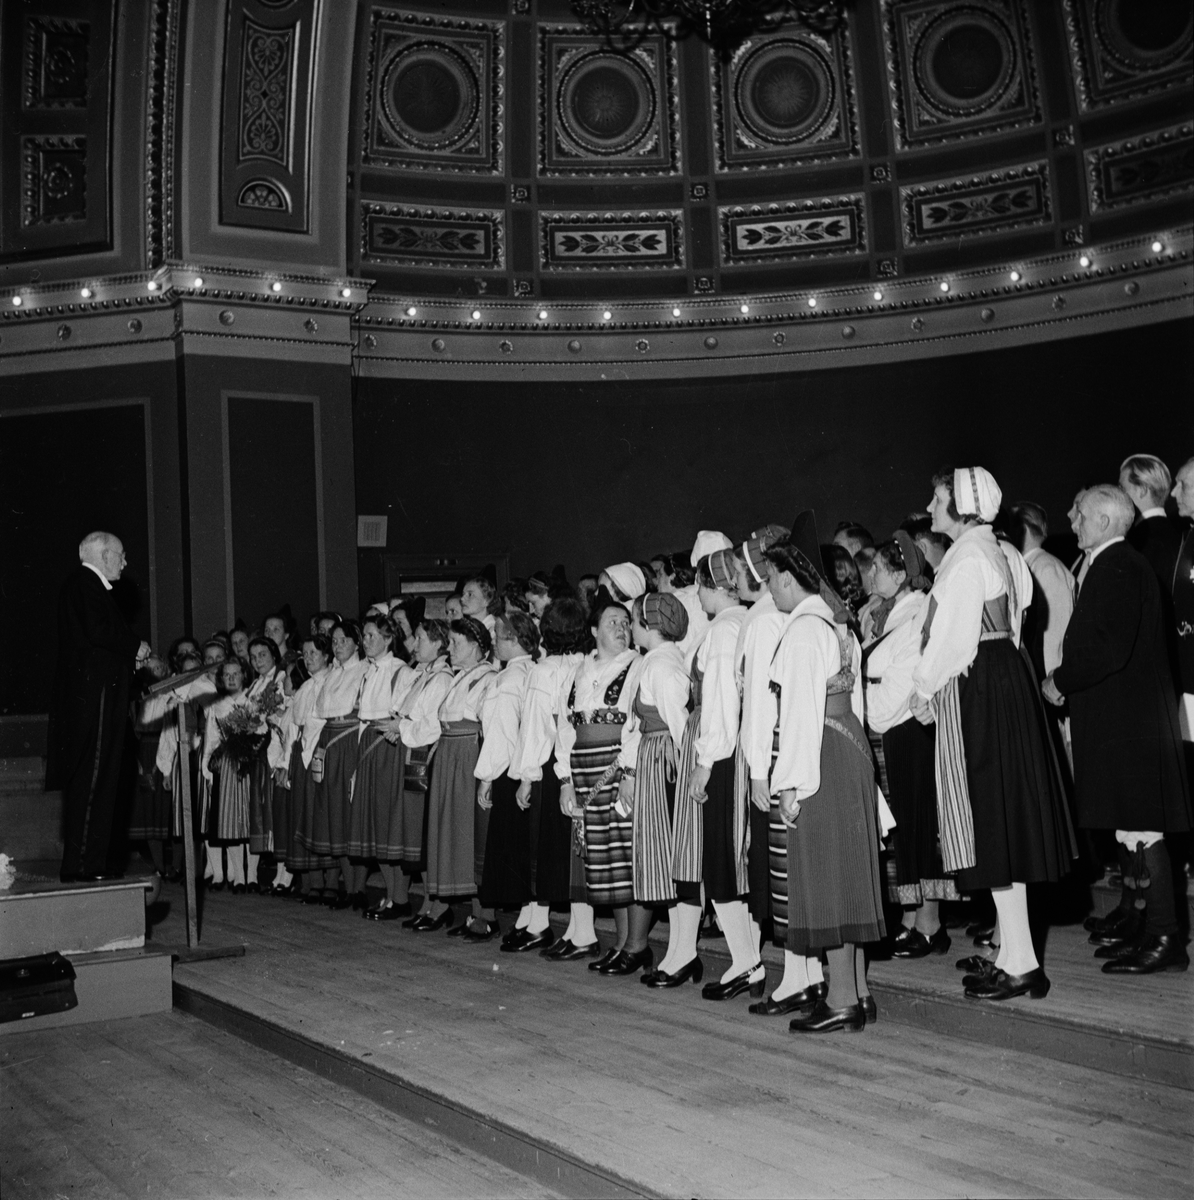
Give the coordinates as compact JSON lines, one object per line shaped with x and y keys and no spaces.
{"x":89,"y":713}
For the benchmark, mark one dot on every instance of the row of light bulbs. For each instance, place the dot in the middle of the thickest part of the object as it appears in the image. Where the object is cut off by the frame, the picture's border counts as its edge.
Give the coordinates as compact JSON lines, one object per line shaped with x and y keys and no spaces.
{"x":197,"y":283}
{"x":1084,"y":262}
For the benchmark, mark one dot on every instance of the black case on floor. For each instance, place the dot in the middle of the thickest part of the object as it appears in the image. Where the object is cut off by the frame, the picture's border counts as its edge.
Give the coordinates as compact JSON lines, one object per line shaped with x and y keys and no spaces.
{"x":31,"y":987}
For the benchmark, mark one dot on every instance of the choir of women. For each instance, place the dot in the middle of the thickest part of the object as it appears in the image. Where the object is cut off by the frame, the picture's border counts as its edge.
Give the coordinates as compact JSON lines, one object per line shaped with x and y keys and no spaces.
{"x":689,"y":743}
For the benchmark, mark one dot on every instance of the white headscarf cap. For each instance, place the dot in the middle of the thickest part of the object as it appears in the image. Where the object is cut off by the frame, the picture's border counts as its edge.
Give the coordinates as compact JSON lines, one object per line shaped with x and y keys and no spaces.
{"x":975,"y":491}
{"x":628,"y":579}
{"x":709,"y":540}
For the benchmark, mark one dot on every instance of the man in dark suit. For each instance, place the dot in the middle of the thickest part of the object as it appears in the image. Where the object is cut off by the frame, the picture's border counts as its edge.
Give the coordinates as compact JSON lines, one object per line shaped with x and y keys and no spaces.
{"x":1183,"y":601}
{"x":1146,"y":480}
{"x":1129,"y":773}
{"x":89,"y":714}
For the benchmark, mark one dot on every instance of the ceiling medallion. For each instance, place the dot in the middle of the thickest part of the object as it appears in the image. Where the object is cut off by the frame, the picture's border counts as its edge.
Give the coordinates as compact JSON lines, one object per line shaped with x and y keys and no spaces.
{"x":722,"y":23}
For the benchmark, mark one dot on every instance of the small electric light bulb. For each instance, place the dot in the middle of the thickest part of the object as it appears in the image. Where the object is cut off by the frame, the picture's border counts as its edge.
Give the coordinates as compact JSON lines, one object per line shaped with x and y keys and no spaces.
{"x":944,"y":285}
{"x":812,"y":302}
{"x":1157,"y":247}
{"x":605,"y":316}
{"x":17,"y":301}
{"x":675,"y":312}
{"x":85,"y":293}
{"x":476,"y":314}
{"x":152,"y":285}
{"x":543,"y":314}
{"x":876,"y":294}
{"x":410,"y":312}
{"x":198,"y":283}
{"x":276,"y":286}
{"x":1015,"y":277}
{"x":1084,"y":261}
{"x":346,"y":292}
{"x":744,"y":308}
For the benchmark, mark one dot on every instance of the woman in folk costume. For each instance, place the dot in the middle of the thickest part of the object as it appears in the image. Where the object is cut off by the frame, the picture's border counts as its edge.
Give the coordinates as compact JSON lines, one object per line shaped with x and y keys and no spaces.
{"x":225,"y":786}
{"x":890,"y":655}
{"x":379,"y":761}
{"x":416,"y":726}
{"x":1002,"y":815}
{"x":452,"y":798}
{"x":650,"y":762}
{"x":824,"y":778}
{"x":558,"y":869}
{"x":322,"y":827}
{"x":270,"y":690}
{"x":503,"y":827}
{"x":623,"y":582}
{"x":292,"y":782}
{"x":481,"y":600}
{"x":709,"y":837}
{"x":588,"y":741}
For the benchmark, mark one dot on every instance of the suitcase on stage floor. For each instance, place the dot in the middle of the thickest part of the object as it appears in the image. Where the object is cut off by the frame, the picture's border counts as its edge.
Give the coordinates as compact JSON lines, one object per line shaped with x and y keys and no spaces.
{"x":31,"y":987}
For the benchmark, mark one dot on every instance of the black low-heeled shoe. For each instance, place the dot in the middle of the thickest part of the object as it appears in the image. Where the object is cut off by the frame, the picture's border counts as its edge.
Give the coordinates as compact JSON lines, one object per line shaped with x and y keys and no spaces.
{"x":999,"y":985}
{"x":626,"y":963}
{"x":533,"y":941}
{"x":753,"y":981}
{"x":373,"y":913}
{"x":486,"y":931}
{"x":238,"y":889}
{"x":393,"y":913}
{"x":572,"y":953}
{"x":809,"y":997}
{"x":824,"y":1019}
{"x":411,"y":922}
{"x":980,"y":929}
{"x":694,"y":969}
{"x":1154,"y":952}
{"x":556,"y":948}
{"x":340,"y":901}
{"x":907,"y":944}
{"x":604,"y":960}
{"x":973,"y":963}
{"x":461,"y":929}
{"x":426,"y":924}
{"x":870,"y":1008}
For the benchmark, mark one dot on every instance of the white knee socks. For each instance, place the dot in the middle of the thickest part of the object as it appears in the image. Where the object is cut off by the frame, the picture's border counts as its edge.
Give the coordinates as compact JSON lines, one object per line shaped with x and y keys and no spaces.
{"x":583,"y":933}
{"x":215,"y":863}
{"x":1016,"y":954}
{"x":795,"y":976}
{"x":686,"y":918}
{"x":539,"y":918}
{"x":524,"y":917}
{"x":735,"y":922}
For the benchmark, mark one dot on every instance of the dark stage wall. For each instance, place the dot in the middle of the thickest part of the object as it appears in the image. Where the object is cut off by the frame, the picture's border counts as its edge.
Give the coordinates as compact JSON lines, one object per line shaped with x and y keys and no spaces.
{"x":591,"y":474}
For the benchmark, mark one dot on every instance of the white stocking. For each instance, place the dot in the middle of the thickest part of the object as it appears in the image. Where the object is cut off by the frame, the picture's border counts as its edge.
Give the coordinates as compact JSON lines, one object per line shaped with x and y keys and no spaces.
{"x":215,"y":863}
{"x":687,"y":919}
{"x":583,"y":933}
{"x":236,"y":864}
{"x":282,"y":877}
{"x":734,"y":919}
{"x":673,"y":937}
{"x":1016,"y":954}
{"x":815,"y":973}
{"x":524,"y":917}
{"x":254,"y":861}
{"x":539,"y":918}
{"x":795,"y":976}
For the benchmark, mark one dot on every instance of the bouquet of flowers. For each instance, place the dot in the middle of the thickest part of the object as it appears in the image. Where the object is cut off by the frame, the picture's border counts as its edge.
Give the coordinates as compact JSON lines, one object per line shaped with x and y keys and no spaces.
{"x":245,"y":730}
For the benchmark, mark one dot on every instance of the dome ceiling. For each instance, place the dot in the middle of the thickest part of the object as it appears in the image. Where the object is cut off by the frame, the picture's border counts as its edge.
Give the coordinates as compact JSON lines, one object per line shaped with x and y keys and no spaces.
{"x":501,"y":150}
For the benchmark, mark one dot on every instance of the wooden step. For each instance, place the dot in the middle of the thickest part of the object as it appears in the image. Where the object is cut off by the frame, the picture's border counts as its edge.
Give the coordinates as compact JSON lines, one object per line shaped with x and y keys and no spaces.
{"x":111,"y":984}
{"x":40,"y":914}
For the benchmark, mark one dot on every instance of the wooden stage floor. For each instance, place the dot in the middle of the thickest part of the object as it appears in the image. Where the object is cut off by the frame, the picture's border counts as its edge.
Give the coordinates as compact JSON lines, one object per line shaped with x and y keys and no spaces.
{"x":595,"y":1085}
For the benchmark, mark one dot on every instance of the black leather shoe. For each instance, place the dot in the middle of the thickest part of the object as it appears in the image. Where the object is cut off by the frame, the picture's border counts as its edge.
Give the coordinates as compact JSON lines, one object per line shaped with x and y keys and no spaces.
{"x":980,"y":929}
{"x":400,"y":910}
{"x":973,"y":963}
{"x":870,"y":1009}
{"x":982,"y":972}
{"x":626,"y":963}
{"x":360,"y":901}
{"x":514,"y":936}
{"x":532,"y":941}
{"x":604,"y":961}
{"x":909,"y":943}
{"x":314,"y":896}
{"x":411,"y":922}
{"x":238,"y":889}
{"x":999,"y":985}
{"x":557,"y":948}
{"x":393,"y":913}
{"x":339,"y":901}
{"x":1154,"y":952}
{"x":753,"y":981}
{"x":824,"y":1019}
{"x":1120,"y":948}
{"x":484,"y":932}
{"x":427,"y":924}
{"x":1126,"y":929}
{"x":986,"y":940}
{"x":461,"y":929}
{"x":571,"y":953}
{"x":694,"y":969}
{"x":809,"y":998}
{"x":1100,"y":924}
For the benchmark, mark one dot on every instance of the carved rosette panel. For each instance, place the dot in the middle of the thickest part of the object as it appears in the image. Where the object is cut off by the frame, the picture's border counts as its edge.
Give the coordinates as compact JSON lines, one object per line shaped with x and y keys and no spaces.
{"x":434,"y":94}
{"x":977,"y":205}
{"x":1129,"y":49}
{"x":576,"y":241}
{"x":785,"y":98}
{"x":55,"y":128}
{"x":1157,"y":166}
{"x":268,"y":74}
{"x":798,"y":229}
{"x":432,"y":237}
{"x":957,"y":69}
{"x":607,"y":110}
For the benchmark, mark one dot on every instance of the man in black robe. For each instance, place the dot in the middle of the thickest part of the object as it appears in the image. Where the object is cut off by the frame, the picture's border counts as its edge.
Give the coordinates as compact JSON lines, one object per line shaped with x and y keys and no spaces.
{"x":89,"y":713}
{"x":1129,"y":773}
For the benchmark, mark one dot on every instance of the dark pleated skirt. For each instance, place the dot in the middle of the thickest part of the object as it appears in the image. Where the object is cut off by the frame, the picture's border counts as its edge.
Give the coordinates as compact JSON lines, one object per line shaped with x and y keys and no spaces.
{"x":261,"y":805}
{"x":506,"y":871}
{"x":719,"y":856}
{"x":451,"y":824}
{"x":300,"y":805}
{"x":324,"y":826}
{"x":152,"y":812}
{"x":375,"y":827}
{"x":758,"y":865}
{"x":1022,"y":828}
{"x":559,"y":870}
{"x":609,"y":838}
{"x":834,"y":892}
{"x":909,"y":750}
